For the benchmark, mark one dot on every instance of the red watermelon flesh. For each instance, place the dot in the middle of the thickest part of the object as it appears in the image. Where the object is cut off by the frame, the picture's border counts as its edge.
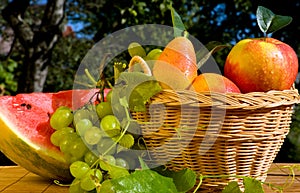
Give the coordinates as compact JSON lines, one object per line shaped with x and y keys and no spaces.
{"x":25,"y":130}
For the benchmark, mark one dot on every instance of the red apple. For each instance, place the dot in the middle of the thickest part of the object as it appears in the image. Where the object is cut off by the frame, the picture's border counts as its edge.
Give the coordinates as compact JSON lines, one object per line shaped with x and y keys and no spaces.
{"x":213,"y":82}
{"x":261,"y":64}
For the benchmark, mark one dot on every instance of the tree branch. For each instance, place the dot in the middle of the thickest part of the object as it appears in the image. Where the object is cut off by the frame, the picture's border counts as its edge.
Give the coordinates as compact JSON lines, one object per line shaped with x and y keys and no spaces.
{"x":50,"y":29}
{"x":13,"y":13}
{"x":38,"y":45}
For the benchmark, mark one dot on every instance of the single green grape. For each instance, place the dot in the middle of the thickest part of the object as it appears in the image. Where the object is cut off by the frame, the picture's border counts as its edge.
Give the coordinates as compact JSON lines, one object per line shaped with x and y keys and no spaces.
{"x":106,"y":161}
{"x":108,"y":96}
{"x":154,"y":54}
{"x":69,"y":158}
{"x":67,"y":130}
{"x":66,"y":142}
{"x":107,"y":186}
{"x":103,"y":109}
{"x":89,"y":181}
{"x":93,"y":116}
{"x":77,"y":148}
{"x":75,"y":186}
{"x":127,"y":141}
{"x":97,"y":174}
{"x":122,"y":163}
{"x":92,"y":135}
{"x":79,"y":169}
{"x":61,"y":118}
{"x":90,"y":158}
{"x":135,"y":49}
{"x":82,"y":125}
{"x":111,"y":125}
{"x":58,"y":135}
{"x":80,"y":114}
{"x":104,"y":144}
{"x":55,"y":138}
{"x":130,"y":157}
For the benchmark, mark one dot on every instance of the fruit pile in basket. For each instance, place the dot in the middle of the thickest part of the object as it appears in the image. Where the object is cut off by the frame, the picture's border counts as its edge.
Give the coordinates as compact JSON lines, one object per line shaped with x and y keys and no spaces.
{"x":96,"y":146}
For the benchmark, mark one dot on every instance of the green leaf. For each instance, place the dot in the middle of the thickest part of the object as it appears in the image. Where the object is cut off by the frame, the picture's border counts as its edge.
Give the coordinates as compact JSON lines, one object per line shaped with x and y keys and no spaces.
{"x":281,"y":21}
{"x":146,"y":181}
{"x":178,"y":25}
{"x":137,"y":88}
{"x":117,"y":172}
{"x":107,"y":187}
{"x":142,"y":93}
{"x":143,"y":164}
{"x":11,"y":65}
{"x":269,"y":22}
{"x":184,"y":179}
{"x":252,"y":185}
{"x":264,"y":18}
{"x":203,"y":55}
{"x":232,"y":187}
{"x":123,"y":102}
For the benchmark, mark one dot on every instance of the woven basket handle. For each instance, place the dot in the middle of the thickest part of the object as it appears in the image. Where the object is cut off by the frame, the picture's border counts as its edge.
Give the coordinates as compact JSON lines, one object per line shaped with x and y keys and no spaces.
{"x":142,"y":62}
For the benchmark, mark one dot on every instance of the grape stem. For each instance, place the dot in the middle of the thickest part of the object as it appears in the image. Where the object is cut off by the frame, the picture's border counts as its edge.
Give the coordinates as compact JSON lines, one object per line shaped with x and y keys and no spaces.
{"x":199,"y":184}
{"x":94,"y":82}
{"x":57,"y":182}
{"x":142,"y":62}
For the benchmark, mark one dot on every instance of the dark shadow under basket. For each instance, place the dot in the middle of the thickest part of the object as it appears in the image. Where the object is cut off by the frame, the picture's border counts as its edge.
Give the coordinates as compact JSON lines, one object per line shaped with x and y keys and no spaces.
{"x":217,"y":134}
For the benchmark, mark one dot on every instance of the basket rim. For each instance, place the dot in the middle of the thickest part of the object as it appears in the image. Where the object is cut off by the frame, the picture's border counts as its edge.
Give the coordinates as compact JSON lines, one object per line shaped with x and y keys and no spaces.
{"x":251,"y":100}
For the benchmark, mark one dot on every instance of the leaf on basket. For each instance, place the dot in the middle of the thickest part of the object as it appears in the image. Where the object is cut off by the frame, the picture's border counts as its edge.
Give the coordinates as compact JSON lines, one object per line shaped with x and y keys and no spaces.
{"x":252,"y":185}
{"x":232,"y":187}
{"x":137,"y":88}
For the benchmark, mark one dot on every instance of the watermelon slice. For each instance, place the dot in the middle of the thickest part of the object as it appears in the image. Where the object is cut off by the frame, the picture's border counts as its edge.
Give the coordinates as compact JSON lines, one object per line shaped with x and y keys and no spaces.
{"x":25,"y":130}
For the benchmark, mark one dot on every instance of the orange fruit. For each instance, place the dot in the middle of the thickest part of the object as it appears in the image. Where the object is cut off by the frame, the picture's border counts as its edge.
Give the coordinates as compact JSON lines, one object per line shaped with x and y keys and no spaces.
{"x":213,"y":82}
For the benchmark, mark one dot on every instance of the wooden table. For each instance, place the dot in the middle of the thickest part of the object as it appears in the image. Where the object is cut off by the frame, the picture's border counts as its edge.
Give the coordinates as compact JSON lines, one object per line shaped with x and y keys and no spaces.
{"x":278,"y":175}
{"x":14,"y":179}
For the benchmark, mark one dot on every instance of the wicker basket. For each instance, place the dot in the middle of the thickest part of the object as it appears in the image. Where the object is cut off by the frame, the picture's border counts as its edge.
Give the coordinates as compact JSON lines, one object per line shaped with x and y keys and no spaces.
{"x":217,"y":134}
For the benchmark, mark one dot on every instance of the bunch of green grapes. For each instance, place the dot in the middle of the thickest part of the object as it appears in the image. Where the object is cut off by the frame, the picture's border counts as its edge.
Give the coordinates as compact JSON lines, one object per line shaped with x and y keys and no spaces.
{"x":92,"y":140}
